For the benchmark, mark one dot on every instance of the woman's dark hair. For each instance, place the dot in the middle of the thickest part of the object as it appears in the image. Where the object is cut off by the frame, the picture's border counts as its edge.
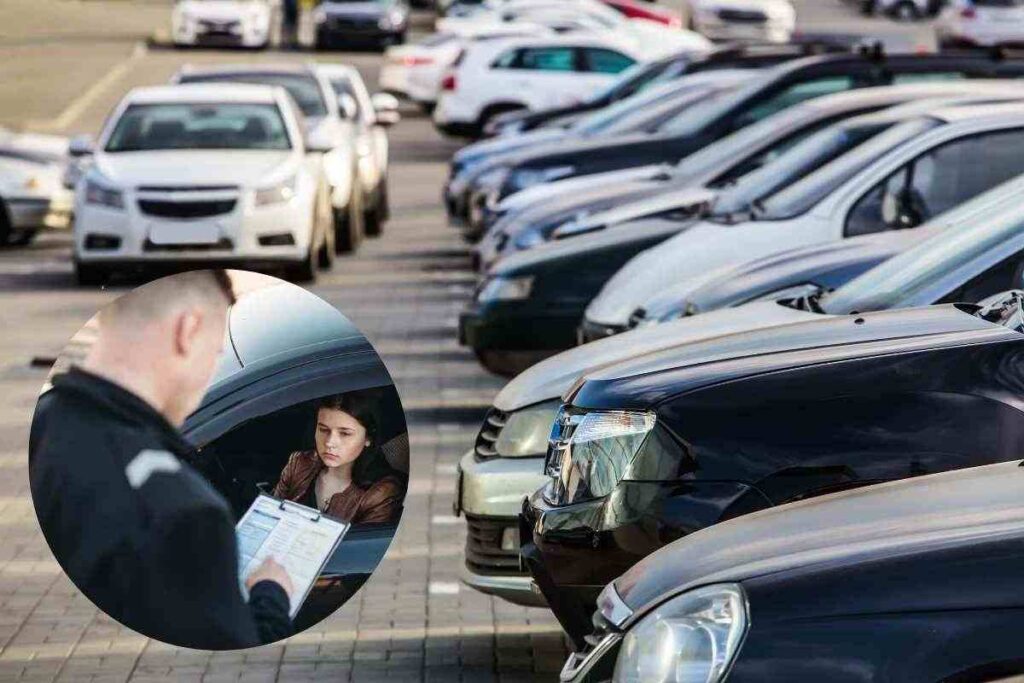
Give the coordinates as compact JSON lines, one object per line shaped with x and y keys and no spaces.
{"x":371,"y":466}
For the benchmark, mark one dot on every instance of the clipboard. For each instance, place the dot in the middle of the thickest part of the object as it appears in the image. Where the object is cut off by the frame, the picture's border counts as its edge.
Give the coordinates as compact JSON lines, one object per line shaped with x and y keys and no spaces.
{"x":298,"y":537}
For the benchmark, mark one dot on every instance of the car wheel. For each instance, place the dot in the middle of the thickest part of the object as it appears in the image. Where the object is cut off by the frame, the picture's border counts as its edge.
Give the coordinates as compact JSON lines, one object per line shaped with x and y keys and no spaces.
{"x":374,"y":220}
{"x":22,"y":238}
{"x":90,"y":275}
{"x":325,"y":254}
{"x":906,"y":11}
{"x":348,"y":227}
{"x":305,"y":270}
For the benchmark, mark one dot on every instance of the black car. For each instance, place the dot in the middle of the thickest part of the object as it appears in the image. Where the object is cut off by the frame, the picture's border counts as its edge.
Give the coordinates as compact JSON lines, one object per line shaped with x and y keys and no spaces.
{"x":285,"y":350}
{"x":916,"y":581}
{"x":650,"y":450}
{"x":341,"y":23}
{"x":674,"y":66}
{"x":781,"y":87}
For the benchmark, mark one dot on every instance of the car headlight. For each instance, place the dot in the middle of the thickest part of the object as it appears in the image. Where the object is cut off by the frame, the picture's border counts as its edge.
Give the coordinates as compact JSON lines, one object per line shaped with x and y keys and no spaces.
{"x":492,"y":179}
{"x":529,"y":239}
{"x":506,"y":289}
{"x":693,"y":638}
{"x":528,"y":177}
{"x":275,"y":194}
{"x":101,"y":195}
{"x":319,"y":16}
{"x":525,"y":434}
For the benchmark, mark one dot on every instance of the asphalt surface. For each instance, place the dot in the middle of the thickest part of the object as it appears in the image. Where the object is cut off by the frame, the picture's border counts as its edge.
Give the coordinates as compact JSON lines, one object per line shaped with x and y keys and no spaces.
{"x":65,"y":64}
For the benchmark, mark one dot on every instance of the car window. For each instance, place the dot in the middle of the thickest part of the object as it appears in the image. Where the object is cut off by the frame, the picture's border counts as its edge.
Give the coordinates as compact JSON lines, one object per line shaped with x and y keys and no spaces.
{"x":599,"y":60}
{"x":343,"y":86}
{"x":547,"y":59}
{"x":302,"y":87}
{"x":931,"y":77}
{"x":145,"y":127}
{"x":937,"y":181}
{"x":794,"y":94}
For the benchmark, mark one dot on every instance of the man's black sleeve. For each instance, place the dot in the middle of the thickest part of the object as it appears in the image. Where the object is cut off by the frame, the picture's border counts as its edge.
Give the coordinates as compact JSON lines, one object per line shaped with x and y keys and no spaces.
{"x":197,"y":586}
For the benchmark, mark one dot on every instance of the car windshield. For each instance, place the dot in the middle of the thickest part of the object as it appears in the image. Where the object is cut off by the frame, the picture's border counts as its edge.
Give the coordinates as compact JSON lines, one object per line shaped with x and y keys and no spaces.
{"x":630,"y":81}
{"x":199,"y":126}
{"x":793,"y":164}
{"x":805,"y":194}
{"x":710,"y":109}
{"x":303,"y":88}
{"x":904,"y":275}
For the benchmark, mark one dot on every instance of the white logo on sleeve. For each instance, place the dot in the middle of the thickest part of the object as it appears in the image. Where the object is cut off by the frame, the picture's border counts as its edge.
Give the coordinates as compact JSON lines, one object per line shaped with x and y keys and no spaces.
{"x":147,"y":463}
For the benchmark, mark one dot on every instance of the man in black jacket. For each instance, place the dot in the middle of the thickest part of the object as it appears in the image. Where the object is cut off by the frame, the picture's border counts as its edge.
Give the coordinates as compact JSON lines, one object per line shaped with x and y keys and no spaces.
{"x":137,"y":530}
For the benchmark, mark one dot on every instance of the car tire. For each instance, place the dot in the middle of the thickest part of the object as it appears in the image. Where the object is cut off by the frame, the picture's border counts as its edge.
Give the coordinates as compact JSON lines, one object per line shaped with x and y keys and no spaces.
{"x":348,"y":227}
{"x":374,"y":220}
{"x":91,"y":275}
{"x":22,"y":238}
{"x":304,"y":271}
{"x":325,"y":254}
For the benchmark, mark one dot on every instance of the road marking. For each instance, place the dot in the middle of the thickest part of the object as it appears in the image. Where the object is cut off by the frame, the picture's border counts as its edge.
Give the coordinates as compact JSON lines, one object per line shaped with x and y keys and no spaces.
{"x":443,"y":588}
{"x":93,"y":93}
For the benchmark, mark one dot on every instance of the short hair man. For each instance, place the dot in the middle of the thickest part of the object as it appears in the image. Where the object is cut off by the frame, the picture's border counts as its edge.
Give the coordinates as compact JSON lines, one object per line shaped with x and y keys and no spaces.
{"x":138,"y":531}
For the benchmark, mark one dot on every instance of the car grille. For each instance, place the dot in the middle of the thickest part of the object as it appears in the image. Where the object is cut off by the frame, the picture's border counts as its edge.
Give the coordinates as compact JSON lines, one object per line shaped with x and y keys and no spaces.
{"x":220,"y":26}
{"x":223,"y":244}
{"x":494,"y":422}
{"x":190,"y":209}
{"x":484,"y":554}
{"x":350,"y":24}
{"x":740,"y":16}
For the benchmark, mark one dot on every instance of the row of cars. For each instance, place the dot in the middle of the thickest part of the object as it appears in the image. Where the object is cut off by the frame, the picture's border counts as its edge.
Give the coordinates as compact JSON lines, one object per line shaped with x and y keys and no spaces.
{"x":788,"y":449}
{"x":263,"y":166}
{"x":499,"y":58}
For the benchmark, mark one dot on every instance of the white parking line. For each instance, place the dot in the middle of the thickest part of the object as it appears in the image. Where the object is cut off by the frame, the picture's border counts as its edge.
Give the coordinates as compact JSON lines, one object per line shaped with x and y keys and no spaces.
{"x":93,"y":93}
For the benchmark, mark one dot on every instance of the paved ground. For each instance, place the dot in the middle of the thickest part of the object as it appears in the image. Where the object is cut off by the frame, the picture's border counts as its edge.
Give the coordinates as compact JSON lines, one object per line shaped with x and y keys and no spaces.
{"x":66,"y":63}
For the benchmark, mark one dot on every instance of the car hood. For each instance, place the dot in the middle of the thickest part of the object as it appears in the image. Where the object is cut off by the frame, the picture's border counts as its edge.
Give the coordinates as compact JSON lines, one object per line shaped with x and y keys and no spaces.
{"x":597,"y":183}
{"x":553,"y":377}
{"x":687,"y":198}
{"x":646,"y":381}
{"x":192,"y":167}
{"x":218,"y":10}
{"x":911,"y":516}
{"x":503,"y":144}
{"x":577,"y":146}
{"x":656,"y":40}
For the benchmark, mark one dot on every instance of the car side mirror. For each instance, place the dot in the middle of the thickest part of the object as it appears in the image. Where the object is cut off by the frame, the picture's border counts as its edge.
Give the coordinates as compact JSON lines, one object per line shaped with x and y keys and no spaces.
{"x":385,"y":107}
{"x":347,"y":107}
{"x":81,"y":146}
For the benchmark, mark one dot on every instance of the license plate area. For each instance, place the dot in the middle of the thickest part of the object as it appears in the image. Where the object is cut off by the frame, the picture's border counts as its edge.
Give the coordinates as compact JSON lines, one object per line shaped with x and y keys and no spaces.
{"x":184,"y":232}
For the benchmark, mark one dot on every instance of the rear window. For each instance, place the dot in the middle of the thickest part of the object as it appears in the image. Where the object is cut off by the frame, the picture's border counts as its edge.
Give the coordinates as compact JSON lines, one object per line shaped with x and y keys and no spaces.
{"x":303,"y":88}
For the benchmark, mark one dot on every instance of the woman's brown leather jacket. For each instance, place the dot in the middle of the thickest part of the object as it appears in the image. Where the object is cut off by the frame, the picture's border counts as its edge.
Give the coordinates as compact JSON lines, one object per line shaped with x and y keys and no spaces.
{"x":380,"y":502}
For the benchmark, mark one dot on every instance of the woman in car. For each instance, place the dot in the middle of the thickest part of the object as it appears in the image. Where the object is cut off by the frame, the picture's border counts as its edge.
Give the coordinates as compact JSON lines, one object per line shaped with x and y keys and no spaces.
{"x":346,"y":475}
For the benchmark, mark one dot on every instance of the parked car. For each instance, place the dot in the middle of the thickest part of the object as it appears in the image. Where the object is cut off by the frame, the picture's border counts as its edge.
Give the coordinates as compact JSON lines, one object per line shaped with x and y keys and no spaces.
{"x":667,"y":68}
{"x":650,"y":450}
{"x":960,"y":153}
{"x":908,"y":581}
{"x":200,"y":173}
{"x":902,"y":10}
{"x":726,"y":167}
{"x":245,"y":23}
{"x":506,"y":463}
{"x":32,"y":195}
{"x":980,"y":23}
{"x":633,"y":9}
{"x":526,"y":73}
{"x":782,"y":87}
{"x":767,"y":20}
{"x":329,"y":126}
{"x":258,"y":410}
{"x":347,"y":22}
{"x":369,"y":118}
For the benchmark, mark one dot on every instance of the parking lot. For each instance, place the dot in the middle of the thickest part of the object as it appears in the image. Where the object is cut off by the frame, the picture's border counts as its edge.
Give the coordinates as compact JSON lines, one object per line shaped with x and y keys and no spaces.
{"x":67,"y":62}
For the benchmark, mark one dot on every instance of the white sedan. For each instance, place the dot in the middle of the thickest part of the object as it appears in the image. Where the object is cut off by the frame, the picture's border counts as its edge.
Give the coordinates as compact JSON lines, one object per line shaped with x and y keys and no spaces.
{"x":758,"y":20}
{"x":981,"y":23}
{"x":245,"y":23}
{"x":197,"y":173}
{"x":32,"y":196}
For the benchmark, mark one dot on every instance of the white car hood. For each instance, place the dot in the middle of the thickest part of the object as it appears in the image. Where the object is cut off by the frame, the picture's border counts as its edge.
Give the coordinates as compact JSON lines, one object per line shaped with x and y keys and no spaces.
{"x":559,"y":188}
{"x":655,"y":40}
{"x":692,"y":254}
{"x":554,"y":376}
{"x":666,"y":201}
{"x":220,"y":10}
{"x":192,"y":167}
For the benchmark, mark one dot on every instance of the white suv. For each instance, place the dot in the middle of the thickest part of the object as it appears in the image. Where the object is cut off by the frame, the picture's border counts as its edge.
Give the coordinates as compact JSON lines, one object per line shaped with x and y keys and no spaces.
{"x":493,"y":77}
{"x":985,"y":23}
{"x":245,"y":23}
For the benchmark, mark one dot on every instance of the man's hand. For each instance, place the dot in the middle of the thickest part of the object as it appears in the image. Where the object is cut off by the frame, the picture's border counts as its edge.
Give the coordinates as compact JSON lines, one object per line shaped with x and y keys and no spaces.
{"x":271,"y":570}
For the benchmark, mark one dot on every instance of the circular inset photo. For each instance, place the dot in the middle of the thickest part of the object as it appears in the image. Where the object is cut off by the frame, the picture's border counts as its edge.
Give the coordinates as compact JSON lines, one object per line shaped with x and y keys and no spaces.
{"x":219,"y":459}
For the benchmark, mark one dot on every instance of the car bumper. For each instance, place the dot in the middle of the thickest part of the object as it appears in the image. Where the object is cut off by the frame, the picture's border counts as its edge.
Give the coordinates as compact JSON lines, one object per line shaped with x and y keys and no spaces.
{"x":327,"y":33}
{"x":979,"y":35}
{"x":240,"y":36}
{"x":520,"y":326}
{"x":729,"y":31}
{"x":274,"y":234}
{"x":394,"y":79}
{"x":490,"y":493}
{"x":35,"y":213}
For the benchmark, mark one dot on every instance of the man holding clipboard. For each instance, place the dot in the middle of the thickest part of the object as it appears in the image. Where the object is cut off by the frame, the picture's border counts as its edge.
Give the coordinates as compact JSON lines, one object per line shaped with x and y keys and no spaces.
{"x":139,"y":532}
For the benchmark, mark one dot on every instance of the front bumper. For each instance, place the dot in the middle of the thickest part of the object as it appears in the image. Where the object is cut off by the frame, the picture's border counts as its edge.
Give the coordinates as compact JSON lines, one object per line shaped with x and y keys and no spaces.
{"x":979,"y":35}
{"x":520,"y":325}
{"x":333,"y":32}
{"x":35,"y":213}
{"x":221,"y":33}
{"x":725,"y":31}
{"x":130,"y":236}
{"x":490,"y":492}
